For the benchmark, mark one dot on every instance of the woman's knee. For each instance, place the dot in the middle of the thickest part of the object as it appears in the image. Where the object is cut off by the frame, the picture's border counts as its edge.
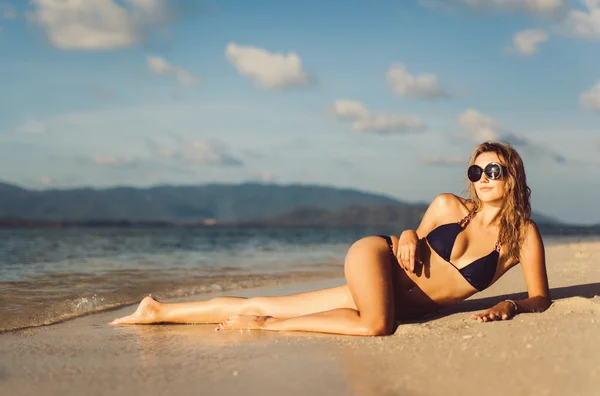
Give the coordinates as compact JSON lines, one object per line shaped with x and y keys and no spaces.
{"x":377,"y":326}
{"x":381,"y":328}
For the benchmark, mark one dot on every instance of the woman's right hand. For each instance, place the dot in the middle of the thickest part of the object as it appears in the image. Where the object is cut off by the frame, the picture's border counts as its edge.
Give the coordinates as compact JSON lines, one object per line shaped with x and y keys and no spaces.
{"x":408,"y":250}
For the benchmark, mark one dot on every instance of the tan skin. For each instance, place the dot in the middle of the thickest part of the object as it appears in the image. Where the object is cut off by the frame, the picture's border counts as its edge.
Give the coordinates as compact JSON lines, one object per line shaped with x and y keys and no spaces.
{"x":380,"y":290}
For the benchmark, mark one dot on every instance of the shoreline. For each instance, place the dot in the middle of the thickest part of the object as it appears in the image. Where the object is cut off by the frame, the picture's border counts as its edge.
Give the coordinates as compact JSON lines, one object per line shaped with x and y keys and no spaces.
{"x":194,"y":291}
{"x":550,"y":353}
{"x":250,"y":282}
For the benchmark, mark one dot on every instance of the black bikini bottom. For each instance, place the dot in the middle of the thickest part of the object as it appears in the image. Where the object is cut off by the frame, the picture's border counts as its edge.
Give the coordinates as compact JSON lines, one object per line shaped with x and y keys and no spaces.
{"x":391,"y":245}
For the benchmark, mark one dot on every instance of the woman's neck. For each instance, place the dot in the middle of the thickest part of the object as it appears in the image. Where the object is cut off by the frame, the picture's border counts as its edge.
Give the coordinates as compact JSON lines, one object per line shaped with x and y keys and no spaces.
{"x":489,"y":213}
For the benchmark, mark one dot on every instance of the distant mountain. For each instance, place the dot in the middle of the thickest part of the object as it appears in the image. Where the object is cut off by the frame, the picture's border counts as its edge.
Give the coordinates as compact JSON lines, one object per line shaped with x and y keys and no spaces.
{"x":223,"y":203}
{"x":7,"y":188}
{"x":543,"y":219}
{"x":248,"y":203}
{"x":400,"y":215}
{"x":397,"y":217}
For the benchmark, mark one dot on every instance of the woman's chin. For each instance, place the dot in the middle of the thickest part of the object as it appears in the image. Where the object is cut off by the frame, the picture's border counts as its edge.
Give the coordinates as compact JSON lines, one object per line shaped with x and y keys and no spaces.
{"x":489,"y":196}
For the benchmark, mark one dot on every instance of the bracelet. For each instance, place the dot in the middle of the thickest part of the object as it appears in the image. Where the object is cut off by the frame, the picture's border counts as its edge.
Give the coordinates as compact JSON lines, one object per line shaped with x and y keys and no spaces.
{"x":514,"y":305}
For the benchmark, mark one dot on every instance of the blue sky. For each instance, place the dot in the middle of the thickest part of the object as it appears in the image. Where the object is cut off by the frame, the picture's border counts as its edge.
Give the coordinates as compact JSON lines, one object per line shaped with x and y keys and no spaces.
{"x":388,"y":96}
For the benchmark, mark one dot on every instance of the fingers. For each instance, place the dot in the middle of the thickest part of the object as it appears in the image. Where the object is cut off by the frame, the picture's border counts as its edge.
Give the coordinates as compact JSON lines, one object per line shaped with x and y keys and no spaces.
{"x":407,"y":257}
{"x":399,"y":254}
{"x":480,"y":317}
{"x":490,"y":316}
{"x":402,"y":257}
{"x":408,"y":251}
{"x":417,"y":255}
{"x":484,"y":317}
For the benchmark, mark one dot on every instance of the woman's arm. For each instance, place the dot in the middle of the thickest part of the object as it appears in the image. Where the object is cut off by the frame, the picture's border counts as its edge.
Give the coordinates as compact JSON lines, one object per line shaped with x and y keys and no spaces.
{"x":533,"y":263}
{"x":407,"y":250}
{"x":440,"y":206}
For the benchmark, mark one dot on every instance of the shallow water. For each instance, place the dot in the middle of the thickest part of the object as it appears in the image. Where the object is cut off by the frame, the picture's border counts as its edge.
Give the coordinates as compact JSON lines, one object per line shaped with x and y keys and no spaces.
{"x":48,"y":275}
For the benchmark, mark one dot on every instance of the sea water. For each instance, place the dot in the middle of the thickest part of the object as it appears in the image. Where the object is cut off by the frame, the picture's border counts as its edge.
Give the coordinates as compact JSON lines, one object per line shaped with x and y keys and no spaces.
{"x":49,"y":275}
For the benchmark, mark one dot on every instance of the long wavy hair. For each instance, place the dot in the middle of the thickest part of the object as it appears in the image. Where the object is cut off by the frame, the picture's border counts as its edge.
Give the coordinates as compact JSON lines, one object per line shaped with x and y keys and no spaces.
{"x":516,"y":210}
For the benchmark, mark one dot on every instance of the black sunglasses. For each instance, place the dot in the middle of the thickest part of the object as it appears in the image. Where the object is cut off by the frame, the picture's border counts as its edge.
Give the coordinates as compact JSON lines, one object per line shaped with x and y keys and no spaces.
{"x":493,"y":171}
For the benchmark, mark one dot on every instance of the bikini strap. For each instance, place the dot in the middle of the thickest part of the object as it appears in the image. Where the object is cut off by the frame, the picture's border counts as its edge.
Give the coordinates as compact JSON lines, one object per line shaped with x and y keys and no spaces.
{"x":498,"y":246}
{"x":465,"y":220}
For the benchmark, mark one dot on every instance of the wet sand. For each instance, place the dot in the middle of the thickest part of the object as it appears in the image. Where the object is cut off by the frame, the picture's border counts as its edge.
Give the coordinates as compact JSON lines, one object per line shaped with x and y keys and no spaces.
{"x":553,"y":353}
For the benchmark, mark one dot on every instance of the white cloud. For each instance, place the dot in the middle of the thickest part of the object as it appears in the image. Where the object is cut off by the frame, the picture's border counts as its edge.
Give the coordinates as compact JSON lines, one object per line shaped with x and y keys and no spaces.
{"x":580,"y":23}
{"x":266,"y":69}
{"x":161,"y":66}
{"x":423,"y":86}
{"x":481,"y":127}
{"x":438,"y":160}
{"x":364,"y":121}
{"x":350,"y":110}
{"x":527,"y":41}
{"x":7,"y":11}
{"x":206,"y":152}
{"x":534,"y":7}
{"x":591,"y":99}
{"x":104,"y":160}
{"x":98,"y":24}
{"x":263,"y":176}
{"x":45,"y":180}
{"x":195,"y":152}
{"x":32,"y":127}
{"x":541,"y":7}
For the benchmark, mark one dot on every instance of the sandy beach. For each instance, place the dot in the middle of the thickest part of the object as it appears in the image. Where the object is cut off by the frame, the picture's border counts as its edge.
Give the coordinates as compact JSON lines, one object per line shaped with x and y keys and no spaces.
{"x":554,"y":353}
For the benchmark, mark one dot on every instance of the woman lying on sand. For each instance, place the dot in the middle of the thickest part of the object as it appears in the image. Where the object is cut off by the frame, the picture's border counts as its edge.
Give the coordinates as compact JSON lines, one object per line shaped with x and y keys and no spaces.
{"x":462,"y":246}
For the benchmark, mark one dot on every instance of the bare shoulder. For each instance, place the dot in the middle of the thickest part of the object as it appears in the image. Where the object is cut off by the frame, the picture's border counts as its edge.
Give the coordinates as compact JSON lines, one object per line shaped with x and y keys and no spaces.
{"x":533,"y":238}
{"x":451,"y":205}
{"x":445,"y":208}
{"x":532,"y":226}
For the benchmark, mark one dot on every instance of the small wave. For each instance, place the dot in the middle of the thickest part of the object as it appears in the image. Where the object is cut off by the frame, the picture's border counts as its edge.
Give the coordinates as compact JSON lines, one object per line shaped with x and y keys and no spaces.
{"x":25,"y":307}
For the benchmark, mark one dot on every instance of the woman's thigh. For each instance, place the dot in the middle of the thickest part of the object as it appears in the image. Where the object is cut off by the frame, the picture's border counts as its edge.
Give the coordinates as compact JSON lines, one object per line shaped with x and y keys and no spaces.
{"x":371,"y":274}
{"x":368,"y":270}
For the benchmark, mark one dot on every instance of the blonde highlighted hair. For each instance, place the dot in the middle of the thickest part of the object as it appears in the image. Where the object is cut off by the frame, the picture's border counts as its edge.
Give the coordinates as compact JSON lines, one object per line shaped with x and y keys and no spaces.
{"x":516,"y":211}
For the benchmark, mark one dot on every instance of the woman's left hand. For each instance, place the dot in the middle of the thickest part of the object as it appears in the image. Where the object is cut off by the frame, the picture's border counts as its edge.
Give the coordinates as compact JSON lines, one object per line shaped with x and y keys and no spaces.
{"x":501,"y":311}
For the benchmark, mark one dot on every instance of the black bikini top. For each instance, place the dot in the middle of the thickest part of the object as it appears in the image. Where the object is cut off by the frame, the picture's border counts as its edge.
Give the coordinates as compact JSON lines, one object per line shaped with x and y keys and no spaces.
{"x":480,"y":272}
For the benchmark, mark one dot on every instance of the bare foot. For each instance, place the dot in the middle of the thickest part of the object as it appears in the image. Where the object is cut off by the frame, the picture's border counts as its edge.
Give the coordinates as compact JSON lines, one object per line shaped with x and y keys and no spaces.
{"x":243,"y":322}
{"x":146,"y":313}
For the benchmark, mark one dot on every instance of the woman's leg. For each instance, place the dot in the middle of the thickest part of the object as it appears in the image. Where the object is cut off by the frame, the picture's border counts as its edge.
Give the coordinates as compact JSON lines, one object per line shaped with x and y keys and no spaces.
{"x":219,"y":309}
{"x":368,"y":271}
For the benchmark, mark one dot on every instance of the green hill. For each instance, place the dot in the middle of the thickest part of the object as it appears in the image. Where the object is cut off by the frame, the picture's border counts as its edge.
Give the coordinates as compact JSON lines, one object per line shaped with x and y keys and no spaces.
{"x":248,"y":203}
{"x":223,"y":203}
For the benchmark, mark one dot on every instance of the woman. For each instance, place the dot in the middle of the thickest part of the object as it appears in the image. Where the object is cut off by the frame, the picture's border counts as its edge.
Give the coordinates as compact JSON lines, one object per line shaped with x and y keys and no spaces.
{"x":461,"y":247}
